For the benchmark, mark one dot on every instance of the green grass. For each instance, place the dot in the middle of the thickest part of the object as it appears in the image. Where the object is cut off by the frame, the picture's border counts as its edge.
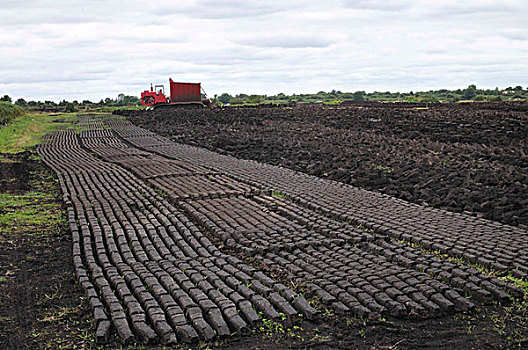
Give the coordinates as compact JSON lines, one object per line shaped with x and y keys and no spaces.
{"x":279,"y":194}
{"x":29,"y":209}
{"x":27,"y":130}
{"x":386,"y":170}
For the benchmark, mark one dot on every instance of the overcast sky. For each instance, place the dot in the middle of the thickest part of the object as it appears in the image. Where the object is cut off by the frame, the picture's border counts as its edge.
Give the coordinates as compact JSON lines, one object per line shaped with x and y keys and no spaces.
{"x":74,"y":49}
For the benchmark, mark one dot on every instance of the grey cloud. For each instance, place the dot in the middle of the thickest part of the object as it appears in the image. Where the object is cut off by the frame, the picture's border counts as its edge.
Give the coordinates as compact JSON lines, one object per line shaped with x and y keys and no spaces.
{"x":471,"y":9}
{"x":378,"y":5}
{"x":221,"y":9}
{"x":286,"y":41}
{"x":516,"y":36}
{"x":32,"y":80}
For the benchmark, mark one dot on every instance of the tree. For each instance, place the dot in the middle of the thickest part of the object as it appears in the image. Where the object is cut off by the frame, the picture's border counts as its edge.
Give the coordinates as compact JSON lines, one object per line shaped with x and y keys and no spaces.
{"x":6,"y":98}
{"x":470,"y":92}
{"x":281,"y":96}
{"x":126,"y":100}
{"x":21,"y":102}
{"x":358,"y":95}
{"x":225,"y":98}
{"x":254,"y":99}
{"x":70,"y":107}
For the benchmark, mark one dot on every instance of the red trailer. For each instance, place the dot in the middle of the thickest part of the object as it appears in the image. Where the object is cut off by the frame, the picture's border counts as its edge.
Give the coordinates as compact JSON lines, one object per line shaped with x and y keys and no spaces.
{"x":181,"y":94}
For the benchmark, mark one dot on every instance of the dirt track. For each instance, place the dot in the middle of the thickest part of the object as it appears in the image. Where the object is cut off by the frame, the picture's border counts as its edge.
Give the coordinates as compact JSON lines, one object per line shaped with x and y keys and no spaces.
{"x":175,"y":243}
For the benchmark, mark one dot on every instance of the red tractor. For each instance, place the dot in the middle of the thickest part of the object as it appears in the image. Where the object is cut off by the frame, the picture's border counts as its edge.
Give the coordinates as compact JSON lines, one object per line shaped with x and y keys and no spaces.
{"x":181,"y":94}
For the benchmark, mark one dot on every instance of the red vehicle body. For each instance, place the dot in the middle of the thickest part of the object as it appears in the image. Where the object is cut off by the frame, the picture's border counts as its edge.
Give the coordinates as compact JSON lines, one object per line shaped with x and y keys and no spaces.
{"x":181,"y":94}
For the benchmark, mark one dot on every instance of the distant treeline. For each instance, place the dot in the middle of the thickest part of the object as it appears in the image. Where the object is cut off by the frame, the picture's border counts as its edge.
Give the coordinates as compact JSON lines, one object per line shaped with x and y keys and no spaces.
{"x":471,"y":93}
{"x":121,"y":100}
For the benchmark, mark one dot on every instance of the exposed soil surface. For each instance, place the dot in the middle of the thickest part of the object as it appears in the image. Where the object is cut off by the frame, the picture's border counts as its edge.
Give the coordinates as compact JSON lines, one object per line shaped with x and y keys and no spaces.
{"x":461,"y":157}
{"x":41,"y":306}
{"x":174,"y":243}
{"x":14,"y":172}
{"x":203,"y":232}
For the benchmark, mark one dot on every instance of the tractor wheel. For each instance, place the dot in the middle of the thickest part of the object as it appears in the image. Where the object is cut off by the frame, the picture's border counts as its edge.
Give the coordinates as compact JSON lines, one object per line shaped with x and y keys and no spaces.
{"x":148,"y":100}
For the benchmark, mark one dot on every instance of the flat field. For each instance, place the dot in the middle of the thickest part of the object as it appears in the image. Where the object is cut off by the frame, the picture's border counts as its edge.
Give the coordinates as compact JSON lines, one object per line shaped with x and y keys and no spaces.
{"x":176,"y":245}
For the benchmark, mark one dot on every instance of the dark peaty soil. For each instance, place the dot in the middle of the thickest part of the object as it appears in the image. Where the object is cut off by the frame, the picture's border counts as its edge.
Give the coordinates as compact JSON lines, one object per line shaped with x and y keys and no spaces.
{"x":40,"y":303}
{"x":471,"y":157}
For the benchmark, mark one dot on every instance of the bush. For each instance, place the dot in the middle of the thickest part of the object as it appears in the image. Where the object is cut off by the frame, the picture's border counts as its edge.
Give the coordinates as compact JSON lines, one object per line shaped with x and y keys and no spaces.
{"x":70,"y":107}
{"x":9,"y":112}
{"x":495,"y":99}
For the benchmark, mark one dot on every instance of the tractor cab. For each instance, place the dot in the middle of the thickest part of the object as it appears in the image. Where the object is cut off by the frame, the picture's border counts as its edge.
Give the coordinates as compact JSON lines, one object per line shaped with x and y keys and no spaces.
{"x":160,"y":89}
{"x":155,"y":96}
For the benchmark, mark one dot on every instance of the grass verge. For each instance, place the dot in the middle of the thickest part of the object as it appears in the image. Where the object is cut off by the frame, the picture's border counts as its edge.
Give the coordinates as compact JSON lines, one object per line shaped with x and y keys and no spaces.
{"x":27,"y":130}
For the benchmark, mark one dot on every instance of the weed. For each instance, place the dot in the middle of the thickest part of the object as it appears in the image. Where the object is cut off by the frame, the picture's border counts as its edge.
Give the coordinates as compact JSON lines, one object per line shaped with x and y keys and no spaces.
{"x":362,"y":332}
{"x":328,"y":313}
{"x":386,"y":170}
{"x":279,"y":194}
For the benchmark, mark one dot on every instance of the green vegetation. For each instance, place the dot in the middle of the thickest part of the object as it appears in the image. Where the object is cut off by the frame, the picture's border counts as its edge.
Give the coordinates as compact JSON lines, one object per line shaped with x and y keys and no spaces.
{"x":278,"y":194}
{"x":471,"y":93}
{"x":9,"y":111}
{"x":27,"y":130}
{"x":70,"y":107}
{"x":31,"y":208}
{"x":107,"y":104}
{"x":277,"y":329}
{"x":386,"y":170}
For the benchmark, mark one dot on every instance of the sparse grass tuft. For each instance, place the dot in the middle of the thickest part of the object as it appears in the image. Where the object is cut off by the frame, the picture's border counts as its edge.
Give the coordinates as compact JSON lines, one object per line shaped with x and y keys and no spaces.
{"x":279,"y":194}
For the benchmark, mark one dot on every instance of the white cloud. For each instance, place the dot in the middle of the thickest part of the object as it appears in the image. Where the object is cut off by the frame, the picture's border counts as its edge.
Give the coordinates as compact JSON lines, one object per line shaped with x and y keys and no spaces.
{"x":53,"y":49}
